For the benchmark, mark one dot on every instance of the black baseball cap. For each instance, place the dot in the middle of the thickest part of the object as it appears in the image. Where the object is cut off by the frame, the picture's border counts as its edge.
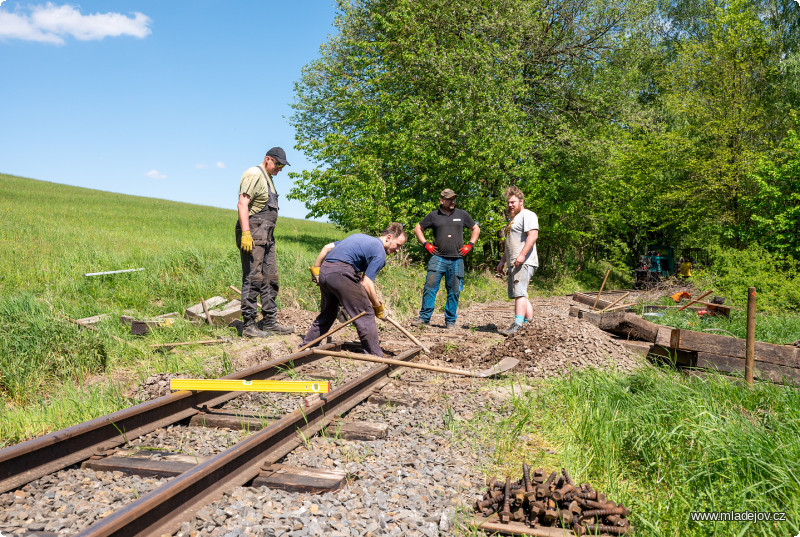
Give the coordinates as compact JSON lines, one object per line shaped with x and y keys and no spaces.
{"x":278,"y":154}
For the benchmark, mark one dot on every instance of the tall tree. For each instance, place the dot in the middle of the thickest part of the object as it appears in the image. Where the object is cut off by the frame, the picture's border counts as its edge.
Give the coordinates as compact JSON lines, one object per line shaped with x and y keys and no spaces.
{"x":723,"y":95}
{"x":414,"y":96}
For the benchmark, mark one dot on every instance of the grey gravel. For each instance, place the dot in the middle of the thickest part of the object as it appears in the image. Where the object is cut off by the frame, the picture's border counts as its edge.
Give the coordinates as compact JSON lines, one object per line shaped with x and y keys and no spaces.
{"x":415,"y":482}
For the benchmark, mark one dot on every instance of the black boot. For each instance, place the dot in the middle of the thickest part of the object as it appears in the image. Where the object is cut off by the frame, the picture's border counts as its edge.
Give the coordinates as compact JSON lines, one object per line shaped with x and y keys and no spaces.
{"x":271,"y":327}
{"x":252,"y":330}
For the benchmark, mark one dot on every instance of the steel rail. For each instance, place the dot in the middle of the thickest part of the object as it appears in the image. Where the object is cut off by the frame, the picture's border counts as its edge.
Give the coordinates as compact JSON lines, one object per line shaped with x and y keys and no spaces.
{"x":164,"y":509}
{"x":32,"y":459}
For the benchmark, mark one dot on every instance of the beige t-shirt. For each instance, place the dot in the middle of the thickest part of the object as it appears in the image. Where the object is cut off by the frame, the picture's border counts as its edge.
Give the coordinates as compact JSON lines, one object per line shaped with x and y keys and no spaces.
{"x":254,"y":185}
{"x":516,"y":233}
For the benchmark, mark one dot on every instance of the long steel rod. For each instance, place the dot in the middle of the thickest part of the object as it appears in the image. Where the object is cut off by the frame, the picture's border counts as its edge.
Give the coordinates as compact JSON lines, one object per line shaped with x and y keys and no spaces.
{"x":113,"y":272}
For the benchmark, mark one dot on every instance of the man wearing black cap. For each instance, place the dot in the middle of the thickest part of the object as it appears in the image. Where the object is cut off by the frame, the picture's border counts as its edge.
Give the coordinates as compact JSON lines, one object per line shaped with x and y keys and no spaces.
{"x":258,"y":213}
{"x":447,"y":256}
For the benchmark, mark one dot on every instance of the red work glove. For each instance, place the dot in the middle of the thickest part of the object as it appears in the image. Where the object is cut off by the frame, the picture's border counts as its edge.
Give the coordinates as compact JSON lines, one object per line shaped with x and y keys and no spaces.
{"x":431,"y":248}
{"x":464,"y":250}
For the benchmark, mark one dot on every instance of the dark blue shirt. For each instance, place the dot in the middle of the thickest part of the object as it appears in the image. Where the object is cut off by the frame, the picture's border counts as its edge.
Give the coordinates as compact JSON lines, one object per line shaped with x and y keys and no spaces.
{"x":364,"y":253}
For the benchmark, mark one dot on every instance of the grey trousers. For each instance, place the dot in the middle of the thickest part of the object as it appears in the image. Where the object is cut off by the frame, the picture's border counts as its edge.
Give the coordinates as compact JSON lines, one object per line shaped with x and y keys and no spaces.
{"x":339,"y":284}
{"x":259,"y":268}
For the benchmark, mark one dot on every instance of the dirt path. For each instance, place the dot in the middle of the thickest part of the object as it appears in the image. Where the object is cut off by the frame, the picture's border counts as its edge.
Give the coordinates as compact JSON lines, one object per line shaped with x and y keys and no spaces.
{"x":552,"y":344}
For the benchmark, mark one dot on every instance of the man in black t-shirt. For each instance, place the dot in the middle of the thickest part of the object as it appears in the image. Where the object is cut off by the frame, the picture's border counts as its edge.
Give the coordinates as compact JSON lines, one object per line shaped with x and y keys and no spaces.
{"x":447,"y":252}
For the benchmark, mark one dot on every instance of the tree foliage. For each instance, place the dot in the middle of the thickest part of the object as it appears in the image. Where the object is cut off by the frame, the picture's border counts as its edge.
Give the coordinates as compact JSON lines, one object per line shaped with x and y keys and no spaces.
{"x":623,"y":122}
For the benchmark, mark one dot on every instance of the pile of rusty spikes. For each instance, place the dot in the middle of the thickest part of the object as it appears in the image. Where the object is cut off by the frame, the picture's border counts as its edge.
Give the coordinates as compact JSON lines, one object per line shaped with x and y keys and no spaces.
{"x":555,"y":500}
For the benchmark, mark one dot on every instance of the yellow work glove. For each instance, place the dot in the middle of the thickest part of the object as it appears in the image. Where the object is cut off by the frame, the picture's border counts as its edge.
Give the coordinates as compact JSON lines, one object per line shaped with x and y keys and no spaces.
{"x":314,"y":274}
{"x":380,"y":311}
{"x":247,"y":241}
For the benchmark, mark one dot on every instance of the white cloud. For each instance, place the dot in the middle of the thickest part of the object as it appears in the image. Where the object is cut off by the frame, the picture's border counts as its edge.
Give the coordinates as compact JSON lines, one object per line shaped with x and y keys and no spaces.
{"x":204,"y":166}
{"x":155,"y":174}
{"x":51,"y":24}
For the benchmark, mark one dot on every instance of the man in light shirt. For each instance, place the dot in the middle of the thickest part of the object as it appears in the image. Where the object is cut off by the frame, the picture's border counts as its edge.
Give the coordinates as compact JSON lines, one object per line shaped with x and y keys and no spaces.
{"x":519,"y":257}
{"x":258,"y":214}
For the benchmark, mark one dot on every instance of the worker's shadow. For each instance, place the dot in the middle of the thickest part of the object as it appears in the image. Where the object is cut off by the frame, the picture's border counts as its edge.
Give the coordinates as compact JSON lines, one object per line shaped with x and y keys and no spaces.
{"x":491,"y":327}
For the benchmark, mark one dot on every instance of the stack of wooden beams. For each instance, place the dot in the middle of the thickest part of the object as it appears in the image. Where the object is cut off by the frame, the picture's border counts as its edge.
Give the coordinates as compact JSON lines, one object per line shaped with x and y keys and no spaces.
{"x":699,"y":350}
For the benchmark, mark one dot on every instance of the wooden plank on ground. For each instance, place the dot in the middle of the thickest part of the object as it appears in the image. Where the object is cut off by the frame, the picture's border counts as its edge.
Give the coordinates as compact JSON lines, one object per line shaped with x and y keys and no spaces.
{"x":784,"y":355}
{"x":355,"y":430}
{"x":583,"y":298}
{"x":762,"y":370}
{"x":222,"y":419}
{"x":590,"y":317}
{"x":630,"y":325}
{"x":196,"y":311}
{"x":229,"y":312}
{"x":391,"y":399}
{"x":295,"y":479}
{"x":493,"y":525}
{"x":142,"y":466}
{"x":93,"y":319}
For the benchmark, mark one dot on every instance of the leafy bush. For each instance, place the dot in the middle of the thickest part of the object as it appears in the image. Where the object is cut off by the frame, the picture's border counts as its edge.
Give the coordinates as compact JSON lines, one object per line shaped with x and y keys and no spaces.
{"x":775,"y":278}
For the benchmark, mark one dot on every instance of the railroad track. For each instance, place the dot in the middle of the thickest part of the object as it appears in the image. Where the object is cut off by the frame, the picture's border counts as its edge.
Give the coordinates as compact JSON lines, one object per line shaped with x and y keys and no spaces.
{"x":193,"y":482}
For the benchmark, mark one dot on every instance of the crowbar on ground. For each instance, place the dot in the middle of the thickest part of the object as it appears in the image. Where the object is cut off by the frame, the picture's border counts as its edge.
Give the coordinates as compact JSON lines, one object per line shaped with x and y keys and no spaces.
{"x":503,"y":365}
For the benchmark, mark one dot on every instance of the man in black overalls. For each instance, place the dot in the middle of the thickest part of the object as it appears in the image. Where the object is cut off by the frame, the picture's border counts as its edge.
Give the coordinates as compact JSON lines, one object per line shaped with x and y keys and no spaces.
{"x":258,"y":213}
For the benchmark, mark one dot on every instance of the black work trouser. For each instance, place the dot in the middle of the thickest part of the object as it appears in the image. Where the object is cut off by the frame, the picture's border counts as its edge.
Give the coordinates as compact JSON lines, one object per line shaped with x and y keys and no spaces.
{"x":339,"y":284}
{"x":259,"y":267}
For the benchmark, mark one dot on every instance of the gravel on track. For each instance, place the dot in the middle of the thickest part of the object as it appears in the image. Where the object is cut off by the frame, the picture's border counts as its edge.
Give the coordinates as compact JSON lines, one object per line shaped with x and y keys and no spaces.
{"x":418,"y":481}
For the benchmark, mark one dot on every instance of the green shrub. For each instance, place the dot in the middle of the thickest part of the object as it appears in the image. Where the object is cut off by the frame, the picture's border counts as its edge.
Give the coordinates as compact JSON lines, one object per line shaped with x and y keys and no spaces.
{"x":776,"y":279}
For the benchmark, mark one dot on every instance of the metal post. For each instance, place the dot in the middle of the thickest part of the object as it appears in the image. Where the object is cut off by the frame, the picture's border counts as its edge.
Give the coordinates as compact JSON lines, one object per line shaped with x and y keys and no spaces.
{"x":751,"y":336}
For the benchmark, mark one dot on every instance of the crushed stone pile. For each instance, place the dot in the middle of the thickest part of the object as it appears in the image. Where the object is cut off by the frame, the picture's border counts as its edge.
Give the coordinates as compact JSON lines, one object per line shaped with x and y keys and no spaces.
{"x":552,"y":346}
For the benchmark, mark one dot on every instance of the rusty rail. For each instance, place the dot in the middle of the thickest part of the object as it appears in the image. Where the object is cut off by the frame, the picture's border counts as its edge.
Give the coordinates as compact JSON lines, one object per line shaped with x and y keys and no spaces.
{"x":164,"y":509}
{"x":30,"y":460}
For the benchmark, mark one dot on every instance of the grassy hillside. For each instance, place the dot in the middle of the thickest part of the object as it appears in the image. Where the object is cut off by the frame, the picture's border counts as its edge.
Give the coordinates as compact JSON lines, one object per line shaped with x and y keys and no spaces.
{"x":52,"y":234}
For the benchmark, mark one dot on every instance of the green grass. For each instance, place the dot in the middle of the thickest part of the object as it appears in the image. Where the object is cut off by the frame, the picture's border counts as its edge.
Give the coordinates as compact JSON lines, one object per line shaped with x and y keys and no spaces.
{"x":662,"y":444}
{"x":52,"y":234}
{"x":777,"y":328}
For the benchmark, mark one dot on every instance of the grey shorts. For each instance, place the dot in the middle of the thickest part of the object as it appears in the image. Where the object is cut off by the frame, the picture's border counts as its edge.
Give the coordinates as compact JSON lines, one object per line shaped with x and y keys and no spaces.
{"x":518,"y":280}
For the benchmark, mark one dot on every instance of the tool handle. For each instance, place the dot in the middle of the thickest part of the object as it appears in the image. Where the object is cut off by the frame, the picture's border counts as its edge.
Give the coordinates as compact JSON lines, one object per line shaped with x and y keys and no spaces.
{"x":408,"y":334}
{"x":698,"y":299}
{"x":401,"y":363}
{"x":329,"y":332}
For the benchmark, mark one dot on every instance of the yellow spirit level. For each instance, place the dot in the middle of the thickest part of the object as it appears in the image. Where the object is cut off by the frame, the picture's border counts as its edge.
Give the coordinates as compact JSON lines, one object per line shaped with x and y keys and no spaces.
{"x":222,"y":385}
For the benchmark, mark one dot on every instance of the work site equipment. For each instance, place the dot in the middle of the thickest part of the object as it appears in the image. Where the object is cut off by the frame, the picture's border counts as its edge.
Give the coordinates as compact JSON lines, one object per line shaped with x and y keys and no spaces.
{"x":331,"y":332}
{"x":657,"y":264}
{"x":503,"y":365}
{"x":408,"y":334}
{"x":553,"y":501}
{"x":227,"y":385}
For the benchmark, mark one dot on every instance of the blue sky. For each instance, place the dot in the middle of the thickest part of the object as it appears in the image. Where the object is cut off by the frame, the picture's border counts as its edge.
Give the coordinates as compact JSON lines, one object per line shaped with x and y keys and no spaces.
{"x":168,"y":99}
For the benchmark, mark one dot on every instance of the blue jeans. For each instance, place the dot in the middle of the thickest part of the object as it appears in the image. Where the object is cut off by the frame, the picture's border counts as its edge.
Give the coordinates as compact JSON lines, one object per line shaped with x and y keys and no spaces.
{"x":452,"y":270}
